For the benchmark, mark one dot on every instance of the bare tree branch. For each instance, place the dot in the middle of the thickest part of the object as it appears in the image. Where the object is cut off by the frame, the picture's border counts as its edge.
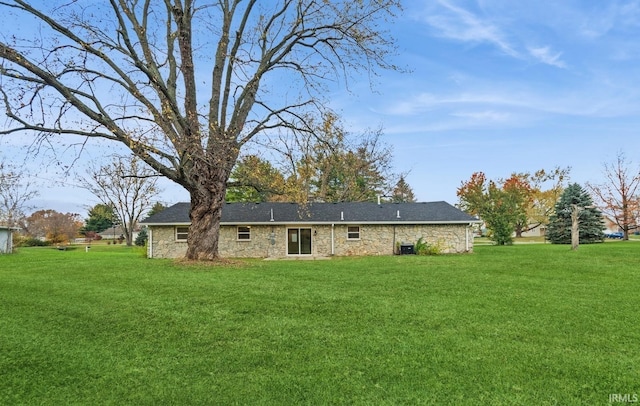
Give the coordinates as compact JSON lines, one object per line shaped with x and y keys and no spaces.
{"x":618,"y":198}
{"x":134,"y":71}
{"x":127,"y":185}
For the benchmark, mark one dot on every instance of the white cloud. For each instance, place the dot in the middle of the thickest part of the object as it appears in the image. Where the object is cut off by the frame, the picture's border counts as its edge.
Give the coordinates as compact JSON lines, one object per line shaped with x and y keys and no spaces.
{"x":424,"y":102}
{"x":487,"y":116}
{"x":488,"y":26}
{"x":546,"y":56}
{"x":462,"y":25}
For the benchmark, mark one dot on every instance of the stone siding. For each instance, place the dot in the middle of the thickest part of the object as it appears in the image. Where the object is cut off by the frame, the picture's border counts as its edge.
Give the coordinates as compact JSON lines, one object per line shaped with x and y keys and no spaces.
{"x":266,"y":242}
{"x":271,"y":241}
{"x":383,"y":239}
{"x":164,"y":244}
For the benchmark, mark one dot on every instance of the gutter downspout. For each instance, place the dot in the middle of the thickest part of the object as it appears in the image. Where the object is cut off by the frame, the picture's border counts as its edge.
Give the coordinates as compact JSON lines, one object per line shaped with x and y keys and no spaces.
{"x":393,"y":248}
{"x":150,"y":241}
{"x":333,"y":246}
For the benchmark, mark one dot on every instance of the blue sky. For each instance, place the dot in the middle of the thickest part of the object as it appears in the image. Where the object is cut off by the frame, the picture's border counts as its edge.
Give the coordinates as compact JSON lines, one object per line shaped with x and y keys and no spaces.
{"x":498,"y":86}
{"x":508,"y":86}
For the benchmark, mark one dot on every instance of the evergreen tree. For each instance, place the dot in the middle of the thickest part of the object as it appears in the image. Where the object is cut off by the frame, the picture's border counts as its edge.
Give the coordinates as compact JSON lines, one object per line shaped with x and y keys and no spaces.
{"x":156,"y":208}
{"x":591,"y":223}
{"x":403,"y":193}
{"x":141,"y":239}
{"x":101,"y":217}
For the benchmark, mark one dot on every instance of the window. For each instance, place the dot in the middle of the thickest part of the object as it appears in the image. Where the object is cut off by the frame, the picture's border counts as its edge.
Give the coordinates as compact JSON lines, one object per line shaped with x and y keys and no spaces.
{"x":353,"y":233}
{"x":182,"y":233}
{"x":244,"y":233}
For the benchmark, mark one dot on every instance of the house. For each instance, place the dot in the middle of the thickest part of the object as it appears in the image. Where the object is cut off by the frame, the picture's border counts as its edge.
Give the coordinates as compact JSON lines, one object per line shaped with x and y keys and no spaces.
{"x":535,"y":230}
{"x":113,"y":233}
{"x":610,"y":225}
{"x":278,"y":230}
{"x":6,"y":239}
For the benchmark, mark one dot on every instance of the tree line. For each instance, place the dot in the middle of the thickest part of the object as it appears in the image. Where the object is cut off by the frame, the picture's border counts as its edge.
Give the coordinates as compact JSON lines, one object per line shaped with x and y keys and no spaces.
{"x":524,"y":201}
{"x":330,"y":166}
{"x":125,"y":186}
{"x":336,"y":167}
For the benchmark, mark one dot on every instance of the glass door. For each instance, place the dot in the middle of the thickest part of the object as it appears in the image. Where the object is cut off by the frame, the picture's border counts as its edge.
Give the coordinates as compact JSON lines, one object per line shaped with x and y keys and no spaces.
{"x":299,"y":241}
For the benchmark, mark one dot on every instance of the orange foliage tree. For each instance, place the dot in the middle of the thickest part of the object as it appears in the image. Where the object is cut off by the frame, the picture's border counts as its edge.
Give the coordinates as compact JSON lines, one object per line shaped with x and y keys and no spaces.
{"x":56,"y":227}
{"x":527,"y":199}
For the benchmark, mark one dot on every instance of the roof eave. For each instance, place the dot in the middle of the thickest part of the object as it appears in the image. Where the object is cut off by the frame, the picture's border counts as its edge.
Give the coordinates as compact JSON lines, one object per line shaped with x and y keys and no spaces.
{"x":167,"y":224}
{"x":267,"y":223}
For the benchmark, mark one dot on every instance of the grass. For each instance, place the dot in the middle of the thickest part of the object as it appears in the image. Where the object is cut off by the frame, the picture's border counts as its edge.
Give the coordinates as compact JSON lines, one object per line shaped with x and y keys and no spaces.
{"x":525,"y":324}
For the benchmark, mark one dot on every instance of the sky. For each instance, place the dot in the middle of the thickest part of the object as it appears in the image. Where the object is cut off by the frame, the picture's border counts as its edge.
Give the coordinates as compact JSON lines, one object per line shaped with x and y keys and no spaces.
{"x":498,"y":86}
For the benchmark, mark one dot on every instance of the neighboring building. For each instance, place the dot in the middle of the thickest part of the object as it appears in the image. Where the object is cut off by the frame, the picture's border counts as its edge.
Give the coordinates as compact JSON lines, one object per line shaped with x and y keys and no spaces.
{"x":113,"y":233}
{"x":6,"y":239}
{"x":278,"y":230}
{"x":611,"y":226}
{"x":539,"y":230}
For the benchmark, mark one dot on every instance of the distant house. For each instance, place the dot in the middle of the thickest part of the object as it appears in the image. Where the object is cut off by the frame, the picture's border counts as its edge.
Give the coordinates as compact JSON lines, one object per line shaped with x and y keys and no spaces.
{"x":113,"y":233}
{"x":537,"y":230}
{"x":277,"y":230}
{"x":6,"y":239}
{"x":611,"y":226}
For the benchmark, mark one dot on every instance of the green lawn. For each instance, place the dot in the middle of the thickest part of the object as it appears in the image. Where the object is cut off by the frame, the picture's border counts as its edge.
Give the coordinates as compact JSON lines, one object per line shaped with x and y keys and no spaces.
{"x":526,"y":324}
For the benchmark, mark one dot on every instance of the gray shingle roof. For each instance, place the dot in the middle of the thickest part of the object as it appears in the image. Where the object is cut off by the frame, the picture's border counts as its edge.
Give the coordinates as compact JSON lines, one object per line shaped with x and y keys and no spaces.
{"x":257,"y":213}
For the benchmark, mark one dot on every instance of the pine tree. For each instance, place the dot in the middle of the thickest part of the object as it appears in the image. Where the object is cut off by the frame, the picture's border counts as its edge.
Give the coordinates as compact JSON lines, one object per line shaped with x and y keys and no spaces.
{"x":141,"y":239}
{"x":156,"y":208}
{"x":591,"y":222}
{"x":403,"y":193}
{"x":101,"y":217}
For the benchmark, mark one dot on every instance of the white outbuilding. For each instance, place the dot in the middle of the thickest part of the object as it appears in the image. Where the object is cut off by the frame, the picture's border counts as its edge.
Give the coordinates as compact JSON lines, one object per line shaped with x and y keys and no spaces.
{"x":6,"y":240}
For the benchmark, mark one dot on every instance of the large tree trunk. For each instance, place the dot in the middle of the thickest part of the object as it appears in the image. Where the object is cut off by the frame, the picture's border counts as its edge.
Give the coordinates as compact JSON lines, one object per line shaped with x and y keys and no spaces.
{"x":128,"y":232}
{"x":207,"y":187}
{"x":519,"y":230}
{"x":205,"y":214}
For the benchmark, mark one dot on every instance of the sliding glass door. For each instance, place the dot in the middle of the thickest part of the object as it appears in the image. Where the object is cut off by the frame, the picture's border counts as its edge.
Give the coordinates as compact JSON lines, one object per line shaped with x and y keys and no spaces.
{"x":299,"y":241}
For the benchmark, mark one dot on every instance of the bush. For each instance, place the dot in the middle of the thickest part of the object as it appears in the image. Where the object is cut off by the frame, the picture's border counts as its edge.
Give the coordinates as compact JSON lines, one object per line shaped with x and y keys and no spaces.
{"x":92,"y":235}
{"x":424,"y":248}
{"x":30,"y":242}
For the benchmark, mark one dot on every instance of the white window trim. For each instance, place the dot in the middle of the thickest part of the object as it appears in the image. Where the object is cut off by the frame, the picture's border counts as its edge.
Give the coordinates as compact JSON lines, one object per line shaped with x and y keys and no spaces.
{"x":244,"y":233}
{"x":351,"y":238}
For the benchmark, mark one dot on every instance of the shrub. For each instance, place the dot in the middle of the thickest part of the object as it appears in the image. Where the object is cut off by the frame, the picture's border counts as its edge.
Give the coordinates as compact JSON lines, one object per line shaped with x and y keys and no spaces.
{"x":30,"y":242}
{"x":424,"y":248}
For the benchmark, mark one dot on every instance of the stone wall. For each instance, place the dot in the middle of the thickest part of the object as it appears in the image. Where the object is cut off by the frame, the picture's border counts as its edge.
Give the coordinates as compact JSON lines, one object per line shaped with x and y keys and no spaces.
{"x":271,"y":241}
{"x":383,"y":239}
{"x":266,"y":242}
{"x":164,"y":244}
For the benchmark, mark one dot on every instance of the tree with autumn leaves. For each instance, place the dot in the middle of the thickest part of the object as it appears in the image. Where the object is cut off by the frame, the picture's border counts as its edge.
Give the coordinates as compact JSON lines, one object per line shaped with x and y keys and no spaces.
{"x":51,"y":225}
{"x":495,"y":204}
{"x":330,"y":165}
{"x":514,"y":205}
